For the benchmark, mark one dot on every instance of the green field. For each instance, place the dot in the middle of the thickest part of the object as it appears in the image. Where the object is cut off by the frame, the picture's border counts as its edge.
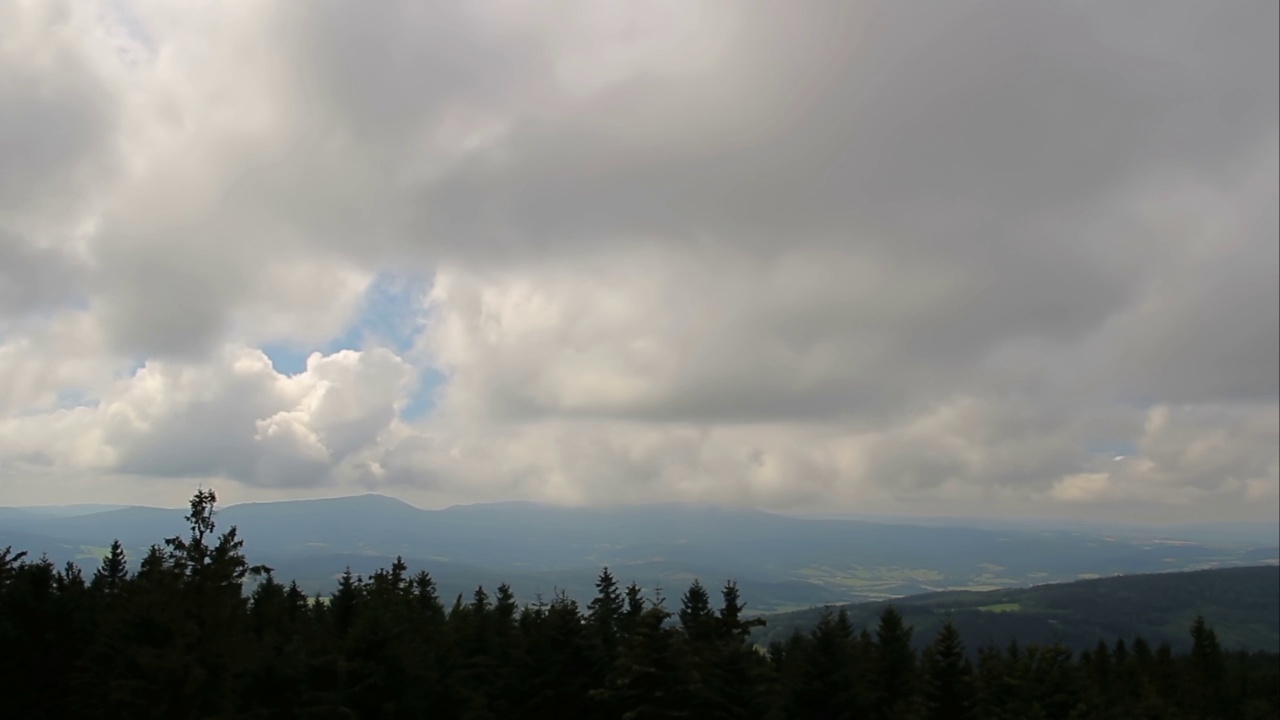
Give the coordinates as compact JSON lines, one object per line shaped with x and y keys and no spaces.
{"x":1000,"y":607}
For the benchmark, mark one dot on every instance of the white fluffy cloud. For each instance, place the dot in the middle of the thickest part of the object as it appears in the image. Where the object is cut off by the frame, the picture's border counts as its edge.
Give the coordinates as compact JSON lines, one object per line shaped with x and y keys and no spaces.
{"x":230,"y":416}
{"x":977,"y":256}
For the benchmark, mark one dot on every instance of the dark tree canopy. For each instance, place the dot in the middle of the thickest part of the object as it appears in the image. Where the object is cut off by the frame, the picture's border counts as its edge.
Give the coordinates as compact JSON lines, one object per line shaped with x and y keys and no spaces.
{"x":195,"y":631}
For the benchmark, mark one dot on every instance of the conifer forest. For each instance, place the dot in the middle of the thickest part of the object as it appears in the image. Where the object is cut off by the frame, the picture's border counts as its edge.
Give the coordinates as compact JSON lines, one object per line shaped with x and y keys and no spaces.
{"x":194,"y":630}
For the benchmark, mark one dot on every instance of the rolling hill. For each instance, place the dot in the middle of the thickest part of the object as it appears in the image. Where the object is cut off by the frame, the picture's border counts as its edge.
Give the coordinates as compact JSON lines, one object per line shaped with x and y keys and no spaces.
{"x":1242,"y":604}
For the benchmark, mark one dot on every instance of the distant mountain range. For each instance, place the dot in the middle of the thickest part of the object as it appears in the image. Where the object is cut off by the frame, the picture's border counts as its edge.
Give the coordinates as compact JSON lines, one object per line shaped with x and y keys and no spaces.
{"x":1242,"y":605}
{"x":781,"y":562}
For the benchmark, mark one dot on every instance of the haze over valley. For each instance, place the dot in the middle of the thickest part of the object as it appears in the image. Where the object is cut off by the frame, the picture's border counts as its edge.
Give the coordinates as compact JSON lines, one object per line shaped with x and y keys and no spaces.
{"x":781,"y":562}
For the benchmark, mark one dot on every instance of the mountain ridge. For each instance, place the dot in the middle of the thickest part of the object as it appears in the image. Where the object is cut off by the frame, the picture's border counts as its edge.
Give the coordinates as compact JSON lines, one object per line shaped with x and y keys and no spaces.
{"x":784,"y":562}
{"x":1258,"y":532}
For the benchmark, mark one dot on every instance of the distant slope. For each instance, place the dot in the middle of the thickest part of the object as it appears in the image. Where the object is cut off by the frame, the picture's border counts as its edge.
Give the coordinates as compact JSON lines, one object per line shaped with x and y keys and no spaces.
{"x":55,"y":510}
{"x":782,"y":563}
{"x":1242,"y":604}
{"x":1259,"y":533}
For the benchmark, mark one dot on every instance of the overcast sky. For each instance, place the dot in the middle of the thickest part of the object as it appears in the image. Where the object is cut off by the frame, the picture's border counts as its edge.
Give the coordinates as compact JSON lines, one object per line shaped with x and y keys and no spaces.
{"x":963,"y":257}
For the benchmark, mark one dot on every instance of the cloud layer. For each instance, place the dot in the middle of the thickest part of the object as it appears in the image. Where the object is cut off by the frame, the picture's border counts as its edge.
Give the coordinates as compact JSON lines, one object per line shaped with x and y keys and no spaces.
{"x":983,"y":257}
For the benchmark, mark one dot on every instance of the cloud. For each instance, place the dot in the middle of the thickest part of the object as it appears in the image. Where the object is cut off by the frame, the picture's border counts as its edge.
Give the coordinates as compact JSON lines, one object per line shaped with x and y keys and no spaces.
{"x":1193,"y":456}
{"x":34,"y":278}
{"x":41,"y":358}
{"x":924,"y":258}
{"x":716,"y":334}
{"x":233,"y":418}
{"x":58,"y":114}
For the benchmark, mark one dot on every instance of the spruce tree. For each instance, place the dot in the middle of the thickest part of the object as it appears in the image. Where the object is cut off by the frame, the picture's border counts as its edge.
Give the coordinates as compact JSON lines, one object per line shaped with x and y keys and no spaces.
{"x":112,"y":572}
{"x":653,"y":678}
{"x":948,"y":677}
{"x":344,"y":603}
{"x":895,"y":663}
{"x":427,"y":599}
{"x":635,"y":605}
{"x":9,"y":564}
{"x":826,"y":689}
{"x":737,"y":677}
{"x":696,"y":616}
{"x":604,"y":613}
{"x":1206,"y":691}
{"x":731,"y":608}
{"x":562,"y":674}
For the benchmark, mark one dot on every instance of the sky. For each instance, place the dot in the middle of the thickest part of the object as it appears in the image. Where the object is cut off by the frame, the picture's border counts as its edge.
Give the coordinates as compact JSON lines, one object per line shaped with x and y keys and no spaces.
{"x":962,"y":257}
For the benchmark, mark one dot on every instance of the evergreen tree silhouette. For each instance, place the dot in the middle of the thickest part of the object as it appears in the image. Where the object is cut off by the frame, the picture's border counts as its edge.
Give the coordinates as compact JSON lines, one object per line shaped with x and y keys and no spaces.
{"x":948,"y":677}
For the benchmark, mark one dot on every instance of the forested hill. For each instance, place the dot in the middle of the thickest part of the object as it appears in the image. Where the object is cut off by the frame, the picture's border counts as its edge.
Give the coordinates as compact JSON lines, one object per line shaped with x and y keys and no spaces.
{"x":783,"y":563}
{"x":182,"y":633}
{"x":1243,"y":602}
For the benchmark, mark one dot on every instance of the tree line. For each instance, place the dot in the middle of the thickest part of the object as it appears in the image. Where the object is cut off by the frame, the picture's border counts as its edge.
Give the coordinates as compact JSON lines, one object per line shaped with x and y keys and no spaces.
{"x":195,"y":631}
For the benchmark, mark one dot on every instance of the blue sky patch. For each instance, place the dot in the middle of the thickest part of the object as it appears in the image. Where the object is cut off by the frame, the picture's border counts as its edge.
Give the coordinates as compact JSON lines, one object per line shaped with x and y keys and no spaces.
{"x":423,"y":399}
{"x":134,"y":366}
{"x":287,"y":359}
{"x":390,"y":316}
{"x":75,"y":398}
{"x":1115,"y":448}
